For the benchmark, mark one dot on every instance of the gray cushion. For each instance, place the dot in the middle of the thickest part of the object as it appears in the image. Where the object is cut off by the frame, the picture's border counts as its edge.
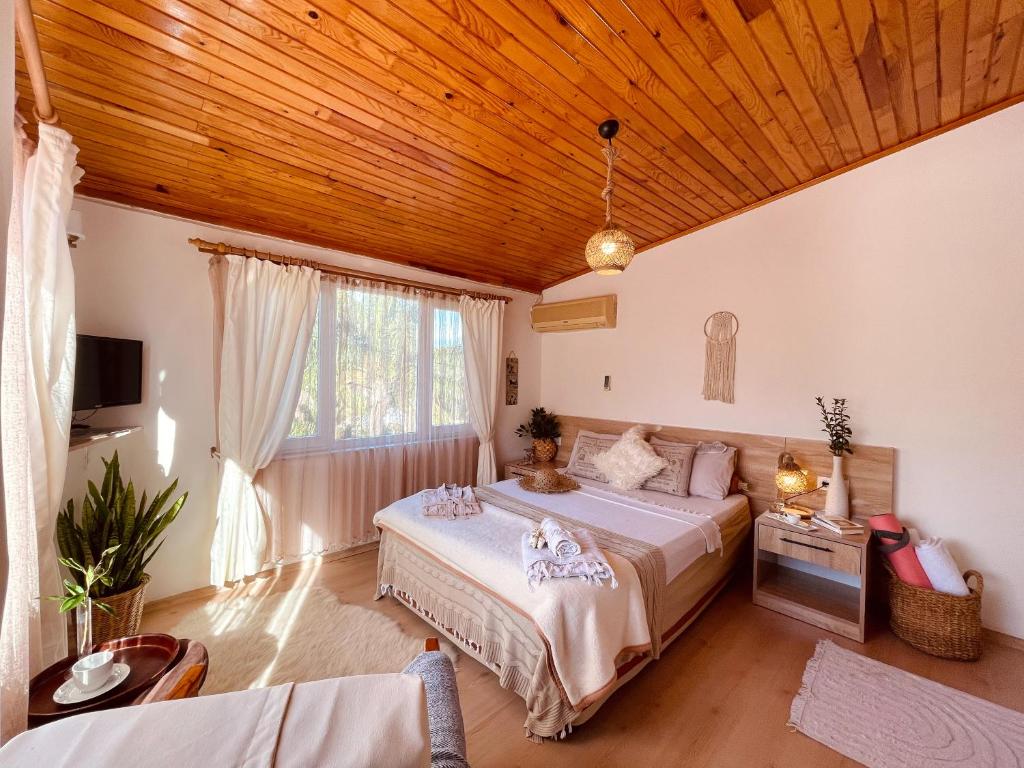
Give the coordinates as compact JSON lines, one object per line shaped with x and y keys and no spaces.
{"x":444,"y":715}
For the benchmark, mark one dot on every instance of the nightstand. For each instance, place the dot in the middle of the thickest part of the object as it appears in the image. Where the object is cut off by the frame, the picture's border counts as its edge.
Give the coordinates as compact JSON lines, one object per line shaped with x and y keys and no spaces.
{"x":523,"y":468}
{"x":816,"y":576}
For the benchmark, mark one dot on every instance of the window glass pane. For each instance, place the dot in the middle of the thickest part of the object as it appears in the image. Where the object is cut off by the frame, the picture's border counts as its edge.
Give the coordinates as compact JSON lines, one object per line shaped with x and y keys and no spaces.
{"x":448,"y":406}
{"x":304,"y":423}
{"x":378,"y":351}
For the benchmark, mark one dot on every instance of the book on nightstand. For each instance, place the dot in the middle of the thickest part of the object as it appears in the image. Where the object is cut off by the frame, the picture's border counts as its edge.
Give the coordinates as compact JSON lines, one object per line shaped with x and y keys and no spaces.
{"x":839,"y":525}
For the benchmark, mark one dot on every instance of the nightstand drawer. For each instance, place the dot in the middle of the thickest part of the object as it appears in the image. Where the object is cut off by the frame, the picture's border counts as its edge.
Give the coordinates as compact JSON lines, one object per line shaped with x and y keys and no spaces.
{"x":810,"y":549}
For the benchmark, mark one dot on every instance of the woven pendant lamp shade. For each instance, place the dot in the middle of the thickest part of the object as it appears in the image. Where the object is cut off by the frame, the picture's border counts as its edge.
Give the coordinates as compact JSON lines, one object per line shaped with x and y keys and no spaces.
{"x":610,"y":250}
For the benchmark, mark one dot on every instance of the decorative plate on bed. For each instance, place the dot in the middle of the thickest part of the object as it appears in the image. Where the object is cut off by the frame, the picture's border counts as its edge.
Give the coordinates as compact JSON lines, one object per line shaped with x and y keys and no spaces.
{"x":548,"y":481}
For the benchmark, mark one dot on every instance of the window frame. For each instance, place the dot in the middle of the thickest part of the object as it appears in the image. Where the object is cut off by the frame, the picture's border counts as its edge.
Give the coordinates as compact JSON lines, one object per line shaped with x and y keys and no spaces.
{"x":324,"y":440}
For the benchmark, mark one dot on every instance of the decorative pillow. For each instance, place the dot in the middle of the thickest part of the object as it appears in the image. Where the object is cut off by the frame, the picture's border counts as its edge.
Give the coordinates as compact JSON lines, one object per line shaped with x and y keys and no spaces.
{"x":675,"y":478}
{"x":713,"y":465}
{"x":586,"y":447}
{"x":631,"y":461}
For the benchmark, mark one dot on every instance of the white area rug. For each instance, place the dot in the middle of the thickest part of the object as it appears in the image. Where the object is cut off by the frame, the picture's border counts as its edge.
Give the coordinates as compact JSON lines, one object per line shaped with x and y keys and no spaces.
{"x":887,"y":718}
{"x":296,"y":636}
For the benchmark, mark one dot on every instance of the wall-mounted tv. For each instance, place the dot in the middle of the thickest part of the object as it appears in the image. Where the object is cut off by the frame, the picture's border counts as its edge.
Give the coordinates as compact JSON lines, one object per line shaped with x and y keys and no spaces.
{"x":108,"y":372}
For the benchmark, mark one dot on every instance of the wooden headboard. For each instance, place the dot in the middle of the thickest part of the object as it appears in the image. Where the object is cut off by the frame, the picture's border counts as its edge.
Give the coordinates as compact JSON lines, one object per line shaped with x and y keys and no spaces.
{"x":869,"y":470}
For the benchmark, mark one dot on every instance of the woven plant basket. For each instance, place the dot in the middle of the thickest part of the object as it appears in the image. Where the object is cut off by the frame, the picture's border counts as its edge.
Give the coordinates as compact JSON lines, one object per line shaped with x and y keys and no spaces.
{"x":943,"y":625}
{"x":544,"y":450}
{"x":127,"y":614}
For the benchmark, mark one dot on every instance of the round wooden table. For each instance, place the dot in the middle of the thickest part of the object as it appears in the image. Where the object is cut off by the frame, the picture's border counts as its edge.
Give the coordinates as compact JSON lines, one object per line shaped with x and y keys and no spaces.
{"x":149,"y":657}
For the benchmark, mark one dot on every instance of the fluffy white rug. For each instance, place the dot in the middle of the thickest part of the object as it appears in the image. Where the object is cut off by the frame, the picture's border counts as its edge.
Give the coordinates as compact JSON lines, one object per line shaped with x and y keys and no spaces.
{"x":296,"y":636}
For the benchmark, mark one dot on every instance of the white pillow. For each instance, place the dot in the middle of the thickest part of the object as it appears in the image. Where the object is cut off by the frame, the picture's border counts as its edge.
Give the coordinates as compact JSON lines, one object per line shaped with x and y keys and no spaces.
{"x":713,"y":465}
{"x":630,"y":461}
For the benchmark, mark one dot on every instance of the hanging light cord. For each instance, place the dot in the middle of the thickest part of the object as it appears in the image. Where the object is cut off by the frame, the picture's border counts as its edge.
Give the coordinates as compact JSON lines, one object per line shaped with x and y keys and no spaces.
{"x":608,"y":192}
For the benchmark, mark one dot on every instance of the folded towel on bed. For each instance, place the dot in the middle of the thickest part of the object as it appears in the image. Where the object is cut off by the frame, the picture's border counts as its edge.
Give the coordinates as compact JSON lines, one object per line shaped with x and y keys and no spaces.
{"x":449,"y":502}
{"x":589,"y":565}
{"x":941,"y":568}
{"x":559,"y":540}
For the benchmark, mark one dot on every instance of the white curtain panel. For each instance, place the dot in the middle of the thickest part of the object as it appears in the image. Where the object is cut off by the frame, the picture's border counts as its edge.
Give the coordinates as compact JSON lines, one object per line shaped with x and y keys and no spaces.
{"x":382,"y":415}
{"x":269,"y":314}
{"x":481,"y":328}
{"x":36,"y":387}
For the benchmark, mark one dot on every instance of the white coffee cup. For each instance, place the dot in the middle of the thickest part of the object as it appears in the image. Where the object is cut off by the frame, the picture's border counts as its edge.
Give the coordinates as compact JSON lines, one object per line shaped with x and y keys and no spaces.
{"x":92,"y":671}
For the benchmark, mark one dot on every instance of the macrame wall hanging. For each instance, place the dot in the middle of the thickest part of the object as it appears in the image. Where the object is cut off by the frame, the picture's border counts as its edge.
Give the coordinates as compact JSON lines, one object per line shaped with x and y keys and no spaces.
{"x":720,"y":331}
{"x":511,"y":379}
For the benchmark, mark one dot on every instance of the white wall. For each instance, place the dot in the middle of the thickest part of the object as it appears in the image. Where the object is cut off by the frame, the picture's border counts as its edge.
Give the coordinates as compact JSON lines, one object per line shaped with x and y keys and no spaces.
{"x":899,"y":286}
{"x":137,"y":277}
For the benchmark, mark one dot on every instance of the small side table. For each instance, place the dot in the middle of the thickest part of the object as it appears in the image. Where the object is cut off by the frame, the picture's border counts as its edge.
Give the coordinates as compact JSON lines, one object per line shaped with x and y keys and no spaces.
{"x":817,"y":577}
{"x":527,"y":468}
{"x":148,"y":655}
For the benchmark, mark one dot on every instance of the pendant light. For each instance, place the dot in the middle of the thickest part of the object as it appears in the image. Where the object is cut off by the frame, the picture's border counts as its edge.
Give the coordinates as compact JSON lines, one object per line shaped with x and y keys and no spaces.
{"x":609,"y":250}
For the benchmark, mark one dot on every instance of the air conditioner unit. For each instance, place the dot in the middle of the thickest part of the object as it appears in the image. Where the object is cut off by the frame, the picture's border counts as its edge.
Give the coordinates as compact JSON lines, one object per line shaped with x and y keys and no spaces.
{"x":574,"y":315}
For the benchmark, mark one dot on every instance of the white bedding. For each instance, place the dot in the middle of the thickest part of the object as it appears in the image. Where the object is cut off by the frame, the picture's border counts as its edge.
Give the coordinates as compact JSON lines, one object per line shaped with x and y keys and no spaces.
{"x":684,"y":528}
{"x":586,"y":627}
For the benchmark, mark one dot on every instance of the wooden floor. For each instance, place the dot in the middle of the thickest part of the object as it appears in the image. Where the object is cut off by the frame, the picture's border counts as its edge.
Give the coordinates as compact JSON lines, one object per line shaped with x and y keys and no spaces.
{"x":719,"y":696}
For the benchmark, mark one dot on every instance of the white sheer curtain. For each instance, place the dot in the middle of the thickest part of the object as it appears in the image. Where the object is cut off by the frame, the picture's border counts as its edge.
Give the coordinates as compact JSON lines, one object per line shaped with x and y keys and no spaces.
{"x":481,"y":326}
{"x":269,"y":314}
{"x":36,"y":385}
{"x":383,"y":414}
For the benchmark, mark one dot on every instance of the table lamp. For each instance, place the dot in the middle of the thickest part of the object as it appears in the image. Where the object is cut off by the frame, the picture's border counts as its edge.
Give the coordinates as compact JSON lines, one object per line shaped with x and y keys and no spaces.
{"x":791,"y":479}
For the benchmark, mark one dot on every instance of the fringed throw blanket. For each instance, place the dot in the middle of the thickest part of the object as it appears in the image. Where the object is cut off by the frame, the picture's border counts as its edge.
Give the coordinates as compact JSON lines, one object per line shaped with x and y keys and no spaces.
{"x":584,"y":631}
{"x":647,"y":560}
{"x":501,"y":637}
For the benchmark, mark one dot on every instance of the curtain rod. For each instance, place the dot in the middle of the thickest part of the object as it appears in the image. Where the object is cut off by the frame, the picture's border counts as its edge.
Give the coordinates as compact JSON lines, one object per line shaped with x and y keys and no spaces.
{"x":26,"y":25}
{"x":205,"y":246}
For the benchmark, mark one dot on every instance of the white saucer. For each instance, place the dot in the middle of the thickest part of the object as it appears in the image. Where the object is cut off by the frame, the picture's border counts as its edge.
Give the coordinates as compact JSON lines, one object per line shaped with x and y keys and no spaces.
{"x":70,"y":693}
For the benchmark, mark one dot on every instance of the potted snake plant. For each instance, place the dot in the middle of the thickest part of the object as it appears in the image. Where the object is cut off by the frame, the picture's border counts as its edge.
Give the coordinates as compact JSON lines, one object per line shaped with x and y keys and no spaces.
{"x":544,"y":428}
{"x":107,"y":548}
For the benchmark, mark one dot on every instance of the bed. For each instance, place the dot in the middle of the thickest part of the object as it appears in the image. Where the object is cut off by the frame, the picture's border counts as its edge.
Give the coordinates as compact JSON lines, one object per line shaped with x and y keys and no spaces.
{"x":566,"y":646}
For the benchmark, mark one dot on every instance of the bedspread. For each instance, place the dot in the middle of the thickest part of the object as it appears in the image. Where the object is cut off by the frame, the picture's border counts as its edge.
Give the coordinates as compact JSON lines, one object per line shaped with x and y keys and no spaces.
{"x":586,"y":628}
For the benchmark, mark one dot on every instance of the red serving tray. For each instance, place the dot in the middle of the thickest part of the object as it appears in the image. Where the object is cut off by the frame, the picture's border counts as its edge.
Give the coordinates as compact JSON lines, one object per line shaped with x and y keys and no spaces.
{"x":149,"y":657}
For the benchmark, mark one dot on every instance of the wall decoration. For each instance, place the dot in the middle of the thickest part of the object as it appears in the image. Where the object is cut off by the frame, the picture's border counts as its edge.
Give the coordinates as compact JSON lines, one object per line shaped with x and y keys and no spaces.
{"x":511,"y":379}
{"x":720,"y":331}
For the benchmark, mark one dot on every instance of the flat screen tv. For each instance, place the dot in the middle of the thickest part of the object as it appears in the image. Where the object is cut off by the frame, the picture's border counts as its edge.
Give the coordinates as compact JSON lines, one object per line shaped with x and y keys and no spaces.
{"x":108,"y":372}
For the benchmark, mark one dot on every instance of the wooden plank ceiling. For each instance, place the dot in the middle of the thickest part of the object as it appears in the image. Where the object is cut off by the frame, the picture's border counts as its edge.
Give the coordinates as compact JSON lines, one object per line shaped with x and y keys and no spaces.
{"x":460,"y":135}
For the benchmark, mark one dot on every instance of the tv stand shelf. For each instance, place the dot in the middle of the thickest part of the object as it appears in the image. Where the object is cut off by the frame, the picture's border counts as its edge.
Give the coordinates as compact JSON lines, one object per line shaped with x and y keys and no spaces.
{"x":94,"y":436}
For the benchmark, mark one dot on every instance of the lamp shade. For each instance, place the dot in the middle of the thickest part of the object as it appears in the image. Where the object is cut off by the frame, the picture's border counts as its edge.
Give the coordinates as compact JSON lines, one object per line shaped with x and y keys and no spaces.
{"x":790,"y":477}
{"x":610,"y":250}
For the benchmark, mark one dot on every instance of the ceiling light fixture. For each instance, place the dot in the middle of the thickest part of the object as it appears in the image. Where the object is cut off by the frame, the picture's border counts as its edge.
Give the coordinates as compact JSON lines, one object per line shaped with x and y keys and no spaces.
{"x":610,"y":250}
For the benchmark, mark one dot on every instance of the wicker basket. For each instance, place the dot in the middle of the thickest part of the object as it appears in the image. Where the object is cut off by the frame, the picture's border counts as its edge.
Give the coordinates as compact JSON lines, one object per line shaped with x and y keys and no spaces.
{"x":544,"y":450}
{"x":127,"y":614}
{"x":943,"y":625}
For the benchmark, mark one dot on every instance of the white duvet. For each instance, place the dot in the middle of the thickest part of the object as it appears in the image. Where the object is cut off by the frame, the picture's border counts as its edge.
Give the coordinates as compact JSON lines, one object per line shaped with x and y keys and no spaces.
{"x":586,"y":627}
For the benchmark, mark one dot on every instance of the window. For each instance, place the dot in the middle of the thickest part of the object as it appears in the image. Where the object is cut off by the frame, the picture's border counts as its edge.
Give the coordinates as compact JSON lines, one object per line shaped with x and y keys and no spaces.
{"x":384,"y":366}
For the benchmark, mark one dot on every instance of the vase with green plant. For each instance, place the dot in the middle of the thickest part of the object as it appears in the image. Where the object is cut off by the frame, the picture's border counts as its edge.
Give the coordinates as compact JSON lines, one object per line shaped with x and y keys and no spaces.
{"x":836,"y":424}
{"x":107,"y":548}
{"x":77,"y":596}
{"x":544,"y":428}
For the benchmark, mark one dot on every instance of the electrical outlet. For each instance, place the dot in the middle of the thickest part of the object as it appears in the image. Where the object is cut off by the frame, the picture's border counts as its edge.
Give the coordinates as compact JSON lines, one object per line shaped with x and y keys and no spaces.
{"x":823,"y":482}
{"x":607,"y":383}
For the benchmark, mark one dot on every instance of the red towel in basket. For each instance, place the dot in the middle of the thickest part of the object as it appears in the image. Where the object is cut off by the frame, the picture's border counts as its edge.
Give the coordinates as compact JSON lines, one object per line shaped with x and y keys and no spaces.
{"x":900,"y":551}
